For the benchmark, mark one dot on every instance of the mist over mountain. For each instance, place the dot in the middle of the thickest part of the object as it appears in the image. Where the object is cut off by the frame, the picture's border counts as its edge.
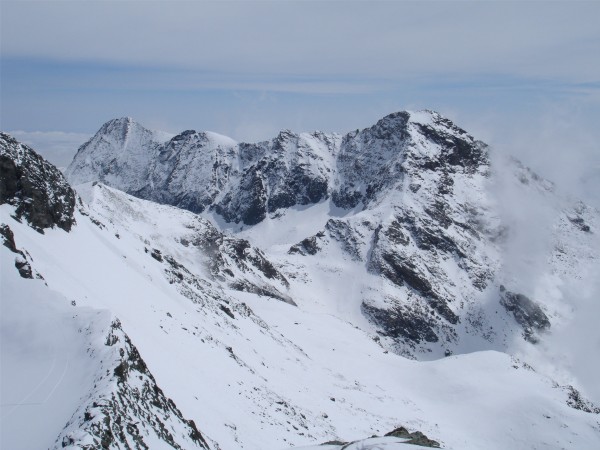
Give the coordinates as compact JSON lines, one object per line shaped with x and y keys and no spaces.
{"x":309,"y":288}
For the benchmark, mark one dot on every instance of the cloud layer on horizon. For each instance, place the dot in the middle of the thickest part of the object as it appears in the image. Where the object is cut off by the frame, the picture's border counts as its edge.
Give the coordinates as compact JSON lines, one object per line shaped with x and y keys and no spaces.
{"x":381,"y":40}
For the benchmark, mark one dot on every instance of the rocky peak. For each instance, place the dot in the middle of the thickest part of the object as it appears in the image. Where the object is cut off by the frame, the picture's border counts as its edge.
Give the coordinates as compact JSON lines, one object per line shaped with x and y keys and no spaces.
{"x":123,"y":129}
{"x":120,"y":126}
{"x":121,"y":146}
{"x":439,"y":143}
{"x":185,"y":133}
{"x":183,"y":138}
{"x":389,"y":125}
{"x":285,"y":135}
{"x":118,"y":133}
{"x":188,"y":138}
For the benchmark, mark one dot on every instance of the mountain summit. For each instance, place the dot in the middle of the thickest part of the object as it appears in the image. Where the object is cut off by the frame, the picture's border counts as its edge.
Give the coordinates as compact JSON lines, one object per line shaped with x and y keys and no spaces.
{"x":245,"y":182}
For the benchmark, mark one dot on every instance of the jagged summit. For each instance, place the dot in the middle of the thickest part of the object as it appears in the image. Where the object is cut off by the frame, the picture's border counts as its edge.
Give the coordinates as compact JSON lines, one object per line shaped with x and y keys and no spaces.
{"x":118,"y":121}
{"x":120,"y":129}
{"x":243,"y":182}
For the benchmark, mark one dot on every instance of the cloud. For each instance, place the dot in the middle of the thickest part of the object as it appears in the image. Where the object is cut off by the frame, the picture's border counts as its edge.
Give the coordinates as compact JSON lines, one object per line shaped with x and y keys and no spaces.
{"x":559,"y":139}
{"x":568,"y":289}
{"x":58,"y":147}
{"x":366,"y":39}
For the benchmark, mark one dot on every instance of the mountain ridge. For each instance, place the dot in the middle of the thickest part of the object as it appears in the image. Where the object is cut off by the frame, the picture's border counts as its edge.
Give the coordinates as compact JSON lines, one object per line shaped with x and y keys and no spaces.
{"x":243,"y":182}
{"x":415,"y":209}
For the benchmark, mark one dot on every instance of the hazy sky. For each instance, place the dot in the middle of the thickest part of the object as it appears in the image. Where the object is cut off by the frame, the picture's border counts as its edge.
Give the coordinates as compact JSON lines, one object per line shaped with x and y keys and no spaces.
{"x":523,"y":76}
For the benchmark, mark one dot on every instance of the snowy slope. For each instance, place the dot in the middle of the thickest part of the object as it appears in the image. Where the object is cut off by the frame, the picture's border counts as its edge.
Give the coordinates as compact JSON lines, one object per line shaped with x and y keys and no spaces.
{"x":73,"y":375}
{"x":45,"y":368}
{"x":260,"y":373}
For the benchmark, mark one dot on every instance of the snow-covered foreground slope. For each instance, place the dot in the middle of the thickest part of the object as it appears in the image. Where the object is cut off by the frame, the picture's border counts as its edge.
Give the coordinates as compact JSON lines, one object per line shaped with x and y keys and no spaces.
{"x":71,"y":378}
{"x":250,"y":370}
{"x":45,"y":367}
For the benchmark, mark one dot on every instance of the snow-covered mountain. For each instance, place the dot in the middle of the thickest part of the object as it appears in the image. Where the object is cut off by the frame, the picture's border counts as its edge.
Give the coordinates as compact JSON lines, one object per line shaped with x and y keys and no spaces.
{"x":278,"y":315}
{"x":403,"y":216}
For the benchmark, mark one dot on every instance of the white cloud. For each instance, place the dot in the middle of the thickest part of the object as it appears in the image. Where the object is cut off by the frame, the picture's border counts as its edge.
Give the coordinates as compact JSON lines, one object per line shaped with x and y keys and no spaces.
{"x":560,"y":141}
{"x":368,"y":39}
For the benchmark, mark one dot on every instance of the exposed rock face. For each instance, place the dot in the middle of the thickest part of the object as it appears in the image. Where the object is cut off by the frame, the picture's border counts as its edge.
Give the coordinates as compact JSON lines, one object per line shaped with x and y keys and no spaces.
{"x":401,"y":322}
{"x":308,"y":246}
{"x":237,"y":263}
{"x":8,"y":238}
{"x":126,"y":408}
{"x":526,"y":312}
{"x":200,"y":170}
{"x":21,"y":261}
{"x":39,"y":190}
{"x":576,"y":401}
{"x":376,"y":442}
{"x":414,"y":438}
{"x":370,"y":160}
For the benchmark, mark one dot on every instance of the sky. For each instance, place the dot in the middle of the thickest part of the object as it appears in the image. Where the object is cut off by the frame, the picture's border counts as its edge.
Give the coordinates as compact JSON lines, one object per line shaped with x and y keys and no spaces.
{"x":522,"y":76}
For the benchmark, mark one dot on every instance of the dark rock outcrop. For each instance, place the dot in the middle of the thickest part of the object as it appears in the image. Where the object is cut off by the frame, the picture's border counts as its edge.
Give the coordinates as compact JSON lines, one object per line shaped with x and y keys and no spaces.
{"x":576,"y":401}
{"x":308,"y":246}
{"x":401,"y":322}
{"x":236,"y":262}
{"x":526,"y":312}
{"x":8,"y":238}
{"x":579,"y":222}
{"x":37,"y":189}
{"x":414,"y":438}
{"x":401,"y":270}
{"x":127,"y":409}
{"x":22,"y":260}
